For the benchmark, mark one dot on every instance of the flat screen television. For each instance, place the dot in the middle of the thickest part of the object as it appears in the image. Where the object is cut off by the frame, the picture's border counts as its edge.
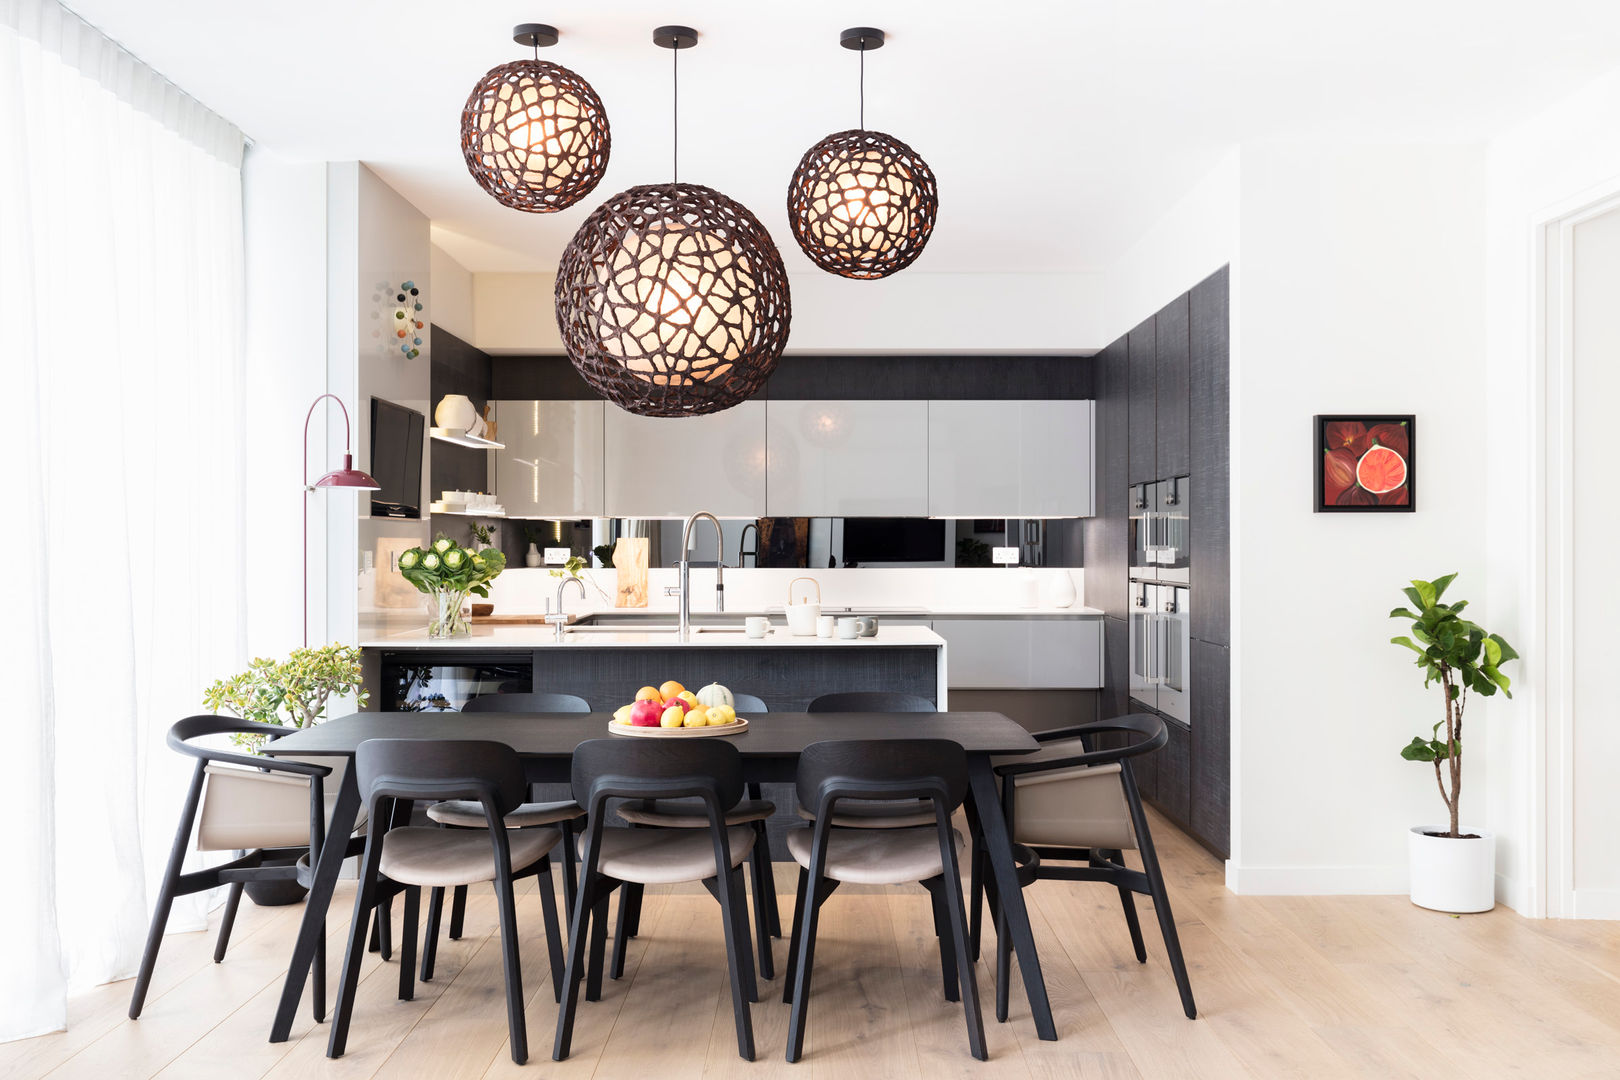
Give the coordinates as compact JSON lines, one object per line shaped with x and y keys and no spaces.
{"x":396,"y":459}
{"x":893,"y":540}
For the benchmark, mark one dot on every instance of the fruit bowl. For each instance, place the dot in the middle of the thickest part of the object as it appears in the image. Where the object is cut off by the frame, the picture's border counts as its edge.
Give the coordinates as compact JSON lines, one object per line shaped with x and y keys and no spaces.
{"x":736,"y":727}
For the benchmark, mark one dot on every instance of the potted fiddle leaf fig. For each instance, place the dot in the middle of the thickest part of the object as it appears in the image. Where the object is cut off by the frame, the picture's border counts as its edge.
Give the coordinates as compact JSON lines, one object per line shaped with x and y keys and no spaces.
{"x":1452,"y":869}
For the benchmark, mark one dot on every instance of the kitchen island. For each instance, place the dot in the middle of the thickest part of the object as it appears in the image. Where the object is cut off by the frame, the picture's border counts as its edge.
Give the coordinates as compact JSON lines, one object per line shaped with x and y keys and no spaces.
{"x":606,"y":665}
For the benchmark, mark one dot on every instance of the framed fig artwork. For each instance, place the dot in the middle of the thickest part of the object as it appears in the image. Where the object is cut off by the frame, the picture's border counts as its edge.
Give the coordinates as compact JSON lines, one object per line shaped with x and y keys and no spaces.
{"x":1366,"y":464}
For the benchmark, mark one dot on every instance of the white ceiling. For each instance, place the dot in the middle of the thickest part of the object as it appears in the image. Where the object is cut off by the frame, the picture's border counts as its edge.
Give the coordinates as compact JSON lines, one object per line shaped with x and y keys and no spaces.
{"x":1057,"y":138}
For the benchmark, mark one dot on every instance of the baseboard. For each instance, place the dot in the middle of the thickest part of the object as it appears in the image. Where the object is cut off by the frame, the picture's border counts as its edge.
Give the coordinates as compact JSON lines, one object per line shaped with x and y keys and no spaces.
{"x":1512,"y":893}
{"x":1596,"y":904}
{"x":1316,"y":880}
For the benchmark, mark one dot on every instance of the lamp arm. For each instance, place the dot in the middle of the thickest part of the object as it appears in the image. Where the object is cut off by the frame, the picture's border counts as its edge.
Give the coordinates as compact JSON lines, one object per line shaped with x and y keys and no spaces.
{"x":308,"y":487}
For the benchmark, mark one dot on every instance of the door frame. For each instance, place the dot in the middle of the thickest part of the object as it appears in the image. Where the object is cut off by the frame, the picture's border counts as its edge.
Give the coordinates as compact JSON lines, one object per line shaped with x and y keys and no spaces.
{"x":1552,"y":556}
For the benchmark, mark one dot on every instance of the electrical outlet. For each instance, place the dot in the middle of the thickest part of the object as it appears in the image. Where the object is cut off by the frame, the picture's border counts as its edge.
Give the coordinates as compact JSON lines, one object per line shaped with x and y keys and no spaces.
{"x":557,"y":556}
{"x":1004,"y":556}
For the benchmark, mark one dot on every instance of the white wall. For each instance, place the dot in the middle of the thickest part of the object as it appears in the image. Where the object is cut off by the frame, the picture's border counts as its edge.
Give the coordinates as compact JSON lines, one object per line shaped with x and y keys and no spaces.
{"x":284,"y":225}
{"x":452,"y":294}
{"x":910,"y":312}
{"x":1361,"y":290}
{"x":1553,"y":163}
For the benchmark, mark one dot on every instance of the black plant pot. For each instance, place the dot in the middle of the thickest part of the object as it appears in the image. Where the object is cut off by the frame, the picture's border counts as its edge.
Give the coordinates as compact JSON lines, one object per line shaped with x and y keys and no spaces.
{"x":276,"y":893}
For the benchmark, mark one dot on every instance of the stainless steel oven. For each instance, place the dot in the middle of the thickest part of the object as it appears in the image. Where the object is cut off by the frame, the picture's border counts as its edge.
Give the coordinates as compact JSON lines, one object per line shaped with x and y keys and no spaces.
{"x":1161,"y":530}
{"x":1160,"y":648}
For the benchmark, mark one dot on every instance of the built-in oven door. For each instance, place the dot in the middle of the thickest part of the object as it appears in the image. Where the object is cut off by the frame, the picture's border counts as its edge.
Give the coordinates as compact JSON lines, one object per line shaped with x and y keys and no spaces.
{"x":1144,"y":684}
{"x":1174,"y":652}
{"x":1141,"y":505}
{"x":1172,"y":524}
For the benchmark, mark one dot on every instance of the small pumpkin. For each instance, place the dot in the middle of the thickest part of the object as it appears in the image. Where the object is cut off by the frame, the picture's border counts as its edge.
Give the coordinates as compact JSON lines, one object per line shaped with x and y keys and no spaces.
{"x":715,"y":694}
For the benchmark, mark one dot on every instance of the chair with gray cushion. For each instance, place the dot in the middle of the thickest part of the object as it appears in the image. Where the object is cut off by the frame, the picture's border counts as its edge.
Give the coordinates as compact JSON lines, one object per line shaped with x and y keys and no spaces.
{"x":1072,"y":804}
{"x":272,"y":810}
{"x":398,"y":772}
{"x":932,"y":770}
{"x":752,"y":811}
{"x":708,"y":771}
{"x":462,"y":814}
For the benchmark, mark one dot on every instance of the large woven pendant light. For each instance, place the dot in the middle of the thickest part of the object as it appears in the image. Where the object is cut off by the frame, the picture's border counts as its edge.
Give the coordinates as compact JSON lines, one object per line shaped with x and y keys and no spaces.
{"x":672,"y":298}
{"x":861,"y":203}
{"x":535,"y":135}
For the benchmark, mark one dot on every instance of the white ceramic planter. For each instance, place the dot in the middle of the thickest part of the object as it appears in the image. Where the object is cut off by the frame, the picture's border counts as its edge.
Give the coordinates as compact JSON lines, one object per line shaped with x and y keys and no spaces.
{"x":1452,"y":875}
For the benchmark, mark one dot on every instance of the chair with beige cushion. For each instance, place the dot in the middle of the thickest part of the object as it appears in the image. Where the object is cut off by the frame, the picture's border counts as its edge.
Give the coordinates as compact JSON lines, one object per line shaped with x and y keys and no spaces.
{"x":752,"y":811}
{"x":708,"y":771}
{"x":270,"y":809}
{"x":392,"y":775}
{"x":1072,"y":804}
{"x":852,"y":813}
{"x":462,"y":814}
{"x":931,"y":770}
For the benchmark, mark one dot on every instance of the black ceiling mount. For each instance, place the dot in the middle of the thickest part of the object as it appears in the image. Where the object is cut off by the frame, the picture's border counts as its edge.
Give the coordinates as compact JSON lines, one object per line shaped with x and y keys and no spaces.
{"x":864,"y":38}
{"x":535,"y":35}
{"x":675,"y":37}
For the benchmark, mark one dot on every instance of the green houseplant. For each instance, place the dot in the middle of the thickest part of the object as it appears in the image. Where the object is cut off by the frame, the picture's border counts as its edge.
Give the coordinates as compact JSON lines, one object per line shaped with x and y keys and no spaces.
{"x":290,"y":693}
{"x":1462,"y":658}
{"x":447,"y":574}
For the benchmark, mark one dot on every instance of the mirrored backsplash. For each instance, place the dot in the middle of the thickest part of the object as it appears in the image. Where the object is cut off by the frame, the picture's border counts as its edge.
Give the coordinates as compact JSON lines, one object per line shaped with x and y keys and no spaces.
{"x":788,"y":543}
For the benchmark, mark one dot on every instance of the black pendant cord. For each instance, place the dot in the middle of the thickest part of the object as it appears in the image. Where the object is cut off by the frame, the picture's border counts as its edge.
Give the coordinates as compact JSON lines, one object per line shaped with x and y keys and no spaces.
{"x":863,"y":85}
{"x":675,"y":114}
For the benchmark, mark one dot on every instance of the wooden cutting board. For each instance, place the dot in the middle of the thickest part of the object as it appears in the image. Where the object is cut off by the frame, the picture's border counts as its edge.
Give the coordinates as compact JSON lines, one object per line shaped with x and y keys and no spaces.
{"x":630,"y":560}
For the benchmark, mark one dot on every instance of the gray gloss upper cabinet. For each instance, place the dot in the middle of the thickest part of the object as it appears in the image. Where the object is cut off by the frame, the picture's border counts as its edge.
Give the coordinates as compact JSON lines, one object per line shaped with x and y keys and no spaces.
{"x":846,"y":458}
{"x":552,"y":464}
{"x":1143,"y":439}
{"x":1171,"y":389}
{"x":1010,"y":459}
{"x":657,"y":466}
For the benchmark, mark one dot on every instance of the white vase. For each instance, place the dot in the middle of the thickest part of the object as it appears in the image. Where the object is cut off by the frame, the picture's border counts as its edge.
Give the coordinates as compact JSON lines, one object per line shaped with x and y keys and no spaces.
{"x":1456,"y":875}
{"x":532,"y":558}
{"x":455,"y":412}
{"x":1060,"y":590}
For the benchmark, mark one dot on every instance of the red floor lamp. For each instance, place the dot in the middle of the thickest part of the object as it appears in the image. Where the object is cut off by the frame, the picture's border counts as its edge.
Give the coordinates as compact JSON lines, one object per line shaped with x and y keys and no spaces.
{"x":346,"y":477}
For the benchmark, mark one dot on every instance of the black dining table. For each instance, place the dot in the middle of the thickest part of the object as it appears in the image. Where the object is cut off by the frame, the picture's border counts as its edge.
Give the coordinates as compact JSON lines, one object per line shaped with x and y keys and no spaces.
{"x":770,"y":748}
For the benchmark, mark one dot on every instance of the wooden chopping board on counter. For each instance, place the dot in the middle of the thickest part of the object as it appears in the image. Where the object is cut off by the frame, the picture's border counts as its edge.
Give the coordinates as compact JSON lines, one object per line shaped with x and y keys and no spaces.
{"x":630,"y":560}
{"x":515,"y":620}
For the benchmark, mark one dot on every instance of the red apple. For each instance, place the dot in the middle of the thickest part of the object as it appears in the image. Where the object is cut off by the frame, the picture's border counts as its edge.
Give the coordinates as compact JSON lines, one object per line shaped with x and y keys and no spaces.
{"x":645,"y":713}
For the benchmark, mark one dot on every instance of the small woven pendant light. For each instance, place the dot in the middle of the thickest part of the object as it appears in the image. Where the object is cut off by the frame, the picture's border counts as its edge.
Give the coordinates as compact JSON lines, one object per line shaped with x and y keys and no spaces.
{"x":672,"y":299}
{"x":535,"y":135}
{"x":861,"y":203}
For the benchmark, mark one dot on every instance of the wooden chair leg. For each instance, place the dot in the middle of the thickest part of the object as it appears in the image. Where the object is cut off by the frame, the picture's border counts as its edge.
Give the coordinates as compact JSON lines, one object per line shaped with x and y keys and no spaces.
{"x":517,"y":1028}
{"x":166,"y":893}
{"x":570,"y":864}
{"x":1003,"y":966}
{"x":407,"y":943}
{"x":621,"y":933}
{"x":765,"y":882}
{"x":578,"y":927}
{"x":634,"y":892}
{"x":764,"y":903}
{"x":593,"y":975}
{"x":942,"y":929}
{"x":956,"y":923}
{"x":458,"y":912}
{"x":554,"y":940}
{"x":793,"y":938}
{"x":739,"y":912}
{"x":317,"y":991}
{"x":365,"y":900}
{"x":801,"y":975}
{"x":975,"y":898}
{"x":739,"y":961}
{"x":1156,"y":889}
{"x":227,"y":919}
{"x":430,"y":936}
{"x":382,"y":937}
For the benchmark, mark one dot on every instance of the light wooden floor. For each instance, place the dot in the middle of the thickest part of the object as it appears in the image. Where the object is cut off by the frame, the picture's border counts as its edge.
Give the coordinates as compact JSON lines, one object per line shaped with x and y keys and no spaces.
{"x":1307,"y":987}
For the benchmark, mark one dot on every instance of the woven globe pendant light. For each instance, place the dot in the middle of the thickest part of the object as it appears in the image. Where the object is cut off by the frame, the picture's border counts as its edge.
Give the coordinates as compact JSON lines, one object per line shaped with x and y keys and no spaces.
{"x":672,"y":299}
{"x":535,"y":134}
{"x":861,"y":203}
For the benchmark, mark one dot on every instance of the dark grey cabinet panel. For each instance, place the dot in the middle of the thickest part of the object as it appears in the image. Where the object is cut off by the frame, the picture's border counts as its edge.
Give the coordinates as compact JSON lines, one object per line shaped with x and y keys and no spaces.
{"x":1211,"y":776}
{"x":1172,"y":390}
{"x":1209,"y":324}
{"x":1105,"y":533}
{"x":1116,"y":668}
{"x":1143,"y":439}
{"x":1173,"y":790}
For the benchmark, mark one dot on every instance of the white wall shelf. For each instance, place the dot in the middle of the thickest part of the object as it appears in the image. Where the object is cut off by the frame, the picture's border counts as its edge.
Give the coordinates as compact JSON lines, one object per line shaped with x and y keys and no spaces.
{"x":461,"y":438}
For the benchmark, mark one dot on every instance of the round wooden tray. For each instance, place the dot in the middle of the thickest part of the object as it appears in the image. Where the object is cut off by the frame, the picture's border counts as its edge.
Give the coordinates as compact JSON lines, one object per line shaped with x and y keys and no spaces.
{"x":735,"y":728}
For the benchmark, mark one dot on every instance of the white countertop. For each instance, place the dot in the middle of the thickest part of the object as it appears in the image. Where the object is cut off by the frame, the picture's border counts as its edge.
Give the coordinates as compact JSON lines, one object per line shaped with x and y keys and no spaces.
{"x":536,"y":637}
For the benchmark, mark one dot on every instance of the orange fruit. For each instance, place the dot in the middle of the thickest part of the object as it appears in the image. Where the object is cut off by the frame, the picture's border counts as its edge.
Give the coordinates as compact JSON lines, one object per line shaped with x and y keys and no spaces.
{"x":649,"y":693}
{"x":670,"y":689}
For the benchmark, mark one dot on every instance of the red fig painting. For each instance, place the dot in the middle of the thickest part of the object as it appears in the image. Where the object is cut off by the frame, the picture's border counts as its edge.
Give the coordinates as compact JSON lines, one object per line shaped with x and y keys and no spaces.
{"x":1366,"y":463}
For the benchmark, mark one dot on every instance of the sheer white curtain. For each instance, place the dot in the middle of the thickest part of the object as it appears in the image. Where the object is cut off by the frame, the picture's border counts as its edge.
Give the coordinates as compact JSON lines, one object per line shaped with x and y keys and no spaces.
{"x":121,"y":315}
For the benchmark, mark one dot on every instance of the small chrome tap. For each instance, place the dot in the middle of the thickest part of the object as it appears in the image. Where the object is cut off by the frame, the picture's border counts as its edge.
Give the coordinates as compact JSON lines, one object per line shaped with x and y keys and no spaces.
{"x":559,"y":618}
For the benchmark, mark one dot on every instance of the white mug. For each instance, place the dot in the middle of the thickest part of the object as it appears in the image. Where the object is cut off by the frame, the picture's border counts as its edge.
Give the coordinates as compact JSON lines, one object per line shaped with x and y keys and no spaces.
{"x":849,"y":627}
{"x":756,"y":626}
{"x":825,"y":625}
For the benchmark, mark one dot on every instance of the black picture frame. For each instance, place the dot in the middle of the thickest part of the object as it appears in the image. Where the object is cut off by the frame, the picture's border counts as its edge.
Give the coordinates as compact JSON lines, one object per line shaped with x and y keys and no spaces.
{"x":1369,"y":421}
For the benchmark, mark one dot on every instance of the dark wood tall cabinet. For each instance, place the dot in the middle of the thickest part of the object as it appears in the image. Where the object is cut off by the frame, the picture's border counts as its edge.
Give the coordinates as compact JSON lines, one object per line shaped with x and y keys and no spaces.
{"x":1162,"y":411}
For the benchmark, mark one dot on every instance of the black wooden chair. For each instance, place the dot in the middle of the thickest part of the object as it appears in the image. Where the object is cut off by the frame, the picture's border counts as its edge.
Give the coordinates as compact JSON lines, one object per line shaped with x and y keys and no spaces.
{"x":410,"y":858}
{"x":709,"y":771}
{"x":934,"y":770}
{"x":1070,"y":804}
{"x":870,"y":701}
{"x":271,"y":809}
{"x":752,"y":811}
{"x":856,"y":814}
{"x":462,"y":814}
